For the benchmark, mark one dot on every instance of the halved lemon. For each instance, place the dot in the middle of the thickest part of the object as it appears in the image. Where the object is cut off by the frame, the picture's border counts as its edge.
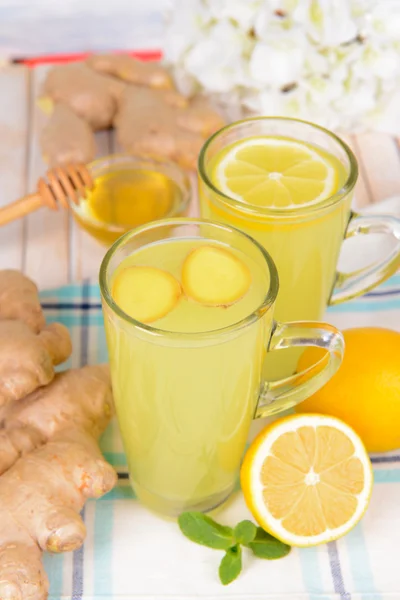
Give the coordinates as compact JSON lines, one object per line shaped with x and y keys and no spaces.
{"x":307,"y":479}
{"x":277,"y":172}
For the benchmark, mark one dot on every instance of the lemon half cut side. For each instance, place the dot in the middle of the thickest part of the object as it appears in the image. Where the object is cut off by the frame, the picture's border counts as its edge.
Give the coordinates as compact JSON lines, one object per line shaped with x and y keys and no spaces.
{"x":307,"y":479}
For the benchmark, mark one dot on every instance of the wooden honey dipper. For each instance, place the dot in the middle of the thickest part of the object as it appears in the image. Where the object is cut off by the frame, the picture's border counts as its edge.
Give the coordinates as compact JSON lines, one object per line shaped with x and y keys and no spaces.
{"x":62,"y":184}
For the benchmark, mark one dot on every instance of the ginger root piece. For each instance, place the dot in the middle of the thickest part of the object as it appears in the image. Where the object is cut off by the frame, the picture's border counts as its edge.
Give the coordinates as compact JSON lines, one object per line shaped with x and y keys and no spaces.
{"x":27,"y":359}
{"x":66,"y":138}
{"x":146,"y":293}
{"x":90,"y":95}
{"x":19,"y":300}
{"x":200,"y":117}
{"x":40,"y":500}
{"x":130,"y":69}
{"x":80,"y":398}
{"x":164,"y":124}
{"x":214,"y":276}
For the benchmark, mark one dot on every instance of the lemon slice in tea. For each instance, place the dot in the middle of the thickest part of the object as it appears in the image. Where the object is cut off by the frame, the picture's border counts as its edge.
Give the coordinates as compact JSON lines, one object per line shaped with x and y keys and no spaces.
{"x":146,"y":293}
{"x":276,"y":172}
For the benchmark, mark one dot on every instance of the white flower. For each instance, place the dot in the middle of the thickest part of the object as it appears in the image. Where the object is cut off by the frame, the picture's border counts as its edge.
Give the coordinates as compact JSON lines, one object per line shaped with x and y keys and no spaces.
{"x":385,"y":114}
{"x":386,"y":64}
{"x":384,"y":20}
{"x":361,"y":99}
{"x":186,"y":24}
{"x":335,"y":62}
{"x":330,"y":23}
{"x":241,"y":12}
{"x":279,"y":60}
{"x":216,"y":70}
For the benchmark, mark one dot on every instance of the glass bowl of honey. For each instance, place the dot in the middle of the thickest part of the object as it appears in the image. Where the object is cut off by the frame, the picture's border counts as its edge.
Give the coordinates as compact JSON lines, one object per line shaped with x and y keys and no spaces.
{"x":129,"y":191}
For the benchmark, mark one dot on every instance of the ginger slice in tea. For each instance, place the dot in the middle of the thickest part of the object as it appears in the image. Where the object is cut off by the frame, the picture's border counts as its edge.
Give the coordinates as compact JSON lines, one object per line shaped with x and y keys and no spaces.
{"x":146,"y":293}
{"x":214,"y":276}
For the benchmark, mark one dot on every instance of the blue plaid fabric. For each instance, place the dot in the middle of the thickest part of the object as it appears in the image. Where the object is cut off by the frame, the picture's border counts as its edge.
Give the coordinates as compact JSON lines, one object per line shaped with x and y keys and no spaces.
{"x":132,"y":554}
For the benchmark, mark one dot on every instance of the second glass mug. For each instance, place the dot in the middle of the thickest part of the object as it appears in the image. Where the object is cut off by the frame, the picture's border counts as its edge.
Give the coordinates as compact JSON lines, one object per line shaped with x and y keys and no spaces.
{"x":185,"y":401}
{"x":304,"y":242}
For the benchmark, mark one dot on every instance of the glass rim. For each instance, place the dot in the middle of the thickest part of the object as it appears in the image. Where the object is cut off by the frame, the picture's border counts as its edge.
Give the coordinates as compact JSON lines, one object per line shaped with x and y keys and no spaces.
{"x":135,"y":159}
{"x":266,"y":303}
{"x":253,"y":209}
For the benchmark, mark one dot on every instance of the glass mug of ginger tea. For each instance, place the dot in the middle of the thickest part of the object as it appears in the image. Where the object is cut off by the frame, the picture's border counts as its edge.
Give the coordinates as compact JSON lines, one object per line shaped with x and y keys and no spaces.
{"x":289,"y":184}
{"x":188,"y":309}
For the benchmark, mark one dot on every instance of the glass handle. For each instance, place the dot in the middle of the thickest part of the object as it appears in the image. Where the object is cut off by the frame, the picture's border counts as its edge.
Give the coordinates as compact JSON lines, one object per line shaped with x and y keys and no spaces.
{"x":350,"y":285}
{"x":282,"y":394}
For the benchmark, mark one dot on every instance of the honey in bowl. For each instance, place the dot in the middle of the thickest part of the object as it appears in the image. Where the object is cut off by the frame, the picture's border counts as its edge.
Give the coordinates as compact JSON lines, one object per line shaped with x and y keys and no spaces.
{"x":129,"y":192}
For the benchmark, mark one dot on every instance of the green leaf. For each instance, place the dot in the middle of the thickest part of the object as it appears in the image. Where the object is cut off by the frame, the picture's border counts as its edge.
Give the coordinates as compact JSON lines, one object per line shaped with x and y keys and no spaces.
{"x":245,"y":532}
{"x":231,"y":565}
{"x":266,"y":546}
{"x":205,"y":531}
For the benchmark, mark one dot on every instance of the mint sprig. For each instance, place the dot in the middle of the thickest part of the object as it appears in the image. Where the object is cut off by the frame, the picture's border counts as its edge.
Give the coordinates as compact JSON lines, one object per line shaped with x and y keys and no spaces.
{"x":201,"y":529}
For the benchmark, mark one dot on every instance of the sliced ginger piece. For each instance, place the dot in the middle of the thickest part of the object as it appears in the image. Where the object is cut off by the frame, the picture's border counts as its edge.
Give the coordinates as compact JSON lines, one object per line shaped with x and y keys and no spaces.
{"x":146,"y":293}
{"x":214,"y":276}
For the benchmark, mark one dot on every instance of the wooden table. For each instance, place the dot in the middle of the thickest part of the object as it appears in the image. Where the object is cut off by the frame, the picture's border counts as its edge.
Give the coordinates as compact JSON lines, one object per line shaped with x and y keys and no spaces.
{"x":49,"y":246}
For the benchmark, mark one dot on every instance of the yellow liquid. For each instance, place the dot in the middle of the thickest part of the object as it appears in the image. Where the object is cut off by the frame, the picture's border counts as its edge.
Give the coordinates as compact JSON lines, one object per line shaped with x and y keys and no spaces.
{"x":124,"y":199}
{"x":305,"y":249}
{"x":185,"y":401}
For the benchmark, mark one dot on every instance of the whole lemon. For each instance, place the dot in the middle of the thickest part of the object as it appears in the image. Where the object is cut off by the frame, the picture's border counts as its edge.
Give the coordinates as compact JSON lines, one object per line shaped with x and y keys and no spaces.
{"x":365,"y":392}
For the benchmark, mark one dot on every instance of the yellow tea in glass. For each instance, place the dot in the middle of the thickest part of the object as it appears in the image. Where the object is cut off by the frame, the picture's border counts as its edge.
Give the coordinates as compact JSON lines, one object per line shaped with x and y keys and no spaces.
{"x":289,"y":184}
{"x":188,"y":309}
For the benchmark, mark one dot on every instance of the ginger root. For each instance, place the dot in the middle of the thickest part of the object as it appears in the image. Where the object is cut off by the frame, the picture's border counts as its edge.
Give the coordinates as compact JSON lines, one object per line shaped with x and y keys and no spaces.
{"x":40,"y":500}
{"x":50,"y":462}
{"x":138,"y":98}
{"x":27,"y":359}
{"x":131,"y":70}
{"x":66,"y":138}
{"x":92,"y":96}
{"x":77,"y":397}
{"x":164,"y":124}
{"x":19,"y":299}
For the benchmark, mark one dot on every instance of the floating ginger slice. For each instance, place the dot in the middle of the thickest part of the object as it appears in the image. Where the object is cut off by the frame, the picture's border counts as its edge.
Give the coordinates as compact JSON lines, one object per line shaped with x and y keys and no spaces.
{"x":214,"y":276}
{"x":146,"y":293}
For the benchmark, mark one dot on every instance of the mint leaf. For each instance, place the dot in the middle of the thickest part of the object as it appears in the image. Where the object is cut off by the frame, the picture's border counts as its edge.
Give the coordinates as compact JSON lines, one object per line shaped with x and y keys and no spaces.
{"x":201,"y":529}
{"x":231,"y":565}
{"x":244,"y":532}
{"x":266,"y":546}
{"x":205,"y":531}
